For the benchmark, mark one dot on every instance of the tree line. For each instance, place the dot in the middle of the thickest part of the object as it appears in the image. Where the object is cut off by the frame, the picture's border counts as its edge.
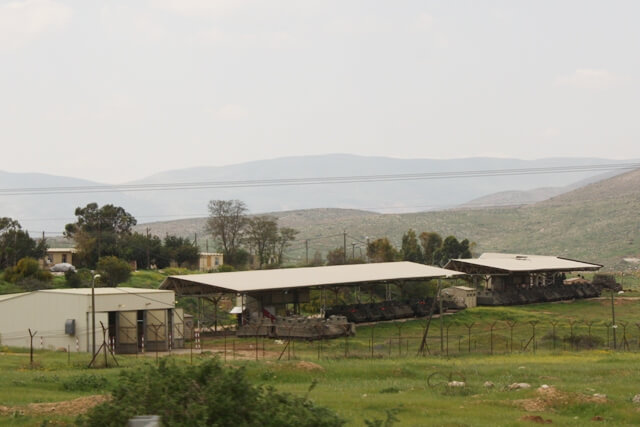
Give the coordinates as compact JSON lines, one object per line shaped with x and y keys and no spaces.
{"x":105,"y":241}
{"x":427,"y":248}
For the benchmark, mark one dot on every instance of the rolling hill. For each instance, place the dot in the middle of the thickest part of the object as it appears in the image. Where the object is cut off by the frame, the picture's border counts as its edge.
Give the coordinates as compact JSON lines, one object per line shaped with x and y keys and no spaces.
{"x":597,"y":222}
{"x":50,"y":212}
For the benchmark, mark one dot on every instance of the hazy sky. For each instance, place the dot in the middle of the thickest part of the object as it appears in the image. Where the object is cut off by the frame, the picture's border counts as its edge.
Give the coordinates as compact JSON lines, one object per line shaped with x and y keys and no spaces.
{"x":117,"y":90}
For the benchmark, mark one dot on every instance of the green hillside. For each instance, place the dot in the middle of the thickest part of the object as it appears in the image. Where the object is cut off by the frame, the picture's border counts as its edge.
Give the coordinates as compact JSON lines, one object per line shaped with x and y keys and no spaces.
{"x":598,"y":223}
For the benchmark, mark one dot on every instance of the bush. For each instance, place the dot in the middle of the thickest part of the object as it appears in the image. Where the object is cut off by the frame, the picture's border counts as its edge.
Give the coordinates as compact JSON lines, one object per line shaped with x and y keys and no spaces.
{"x":79,"y":279}
{"x":208,"y":394}
{"x":113,"y":270}
{"x":26,"y":268}
{"x":584,"y":341}
{"x":85,"y":383}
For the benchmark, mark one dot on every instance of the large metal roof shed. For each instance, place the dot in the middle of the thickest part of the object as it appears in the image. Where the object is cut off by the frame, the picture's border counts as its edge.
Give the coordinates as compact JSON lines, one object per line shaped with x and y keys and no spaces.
{"x":497,"y":263}
{"x":305,"y":277}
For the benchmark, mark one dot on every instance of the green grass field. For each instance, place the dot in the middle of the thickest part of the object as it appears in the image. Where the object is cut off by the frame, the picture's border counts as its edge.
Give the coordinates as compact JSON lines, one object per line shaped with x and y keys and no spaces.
{"x":361,"y":387}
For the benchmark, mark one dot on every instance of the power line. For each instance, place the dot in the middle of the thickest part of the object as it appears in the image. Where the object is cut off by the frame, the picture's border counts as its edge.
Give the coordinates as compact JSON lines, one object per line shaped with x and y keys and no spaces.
{"x":313,"y":180}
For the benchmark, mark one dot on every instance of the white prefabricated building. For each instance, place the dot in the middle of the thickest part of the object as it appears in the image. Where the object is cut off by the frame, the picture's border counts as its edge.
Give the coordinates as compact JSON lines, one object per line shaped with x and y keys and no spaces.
{"x":61,"y":319}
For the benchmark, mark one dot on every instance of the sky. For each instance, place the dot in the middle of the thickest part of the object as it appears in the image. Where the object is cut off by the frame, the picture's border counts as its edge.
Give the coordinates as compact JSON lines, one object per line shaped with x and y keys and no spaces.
{"x":114,"y":91}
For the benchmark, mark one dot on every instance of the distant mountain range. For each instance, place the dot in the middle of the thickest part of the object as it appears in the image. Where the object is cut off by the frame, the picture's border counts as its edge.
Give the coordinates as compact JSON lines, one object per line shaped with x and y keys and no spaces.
{"x":50,"y":212}
{"x":597,"y":222}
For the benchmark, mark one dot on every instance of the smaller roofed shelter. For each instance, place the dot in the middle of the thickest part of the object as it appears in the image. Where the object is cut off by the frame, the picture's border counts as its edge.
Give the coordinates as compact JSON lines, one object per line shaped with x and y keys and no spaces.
{"x":268,"y":289}
{"x":498,"y":272}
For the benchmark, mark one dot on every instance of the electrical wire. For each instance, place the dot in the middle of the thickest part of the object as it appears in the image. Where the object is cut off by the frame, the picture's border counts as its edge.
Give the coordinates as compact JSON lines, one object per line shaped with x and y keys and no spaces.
{"x":314,"y":180}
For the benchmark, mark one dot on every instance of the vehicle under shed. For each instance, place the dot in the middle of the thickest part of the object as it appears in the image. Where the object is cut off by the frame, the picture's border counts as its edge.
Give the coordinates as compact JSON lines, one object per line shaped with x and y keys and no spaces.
{"x":277,"y":292}
{"x":506,"y":279}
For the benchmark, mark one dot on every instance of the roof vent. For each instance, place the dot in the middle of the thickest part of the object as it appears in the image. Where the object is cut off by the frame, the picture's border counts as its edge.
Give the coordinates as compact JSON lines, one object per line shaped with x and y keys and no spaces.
{"x":521,"y":257}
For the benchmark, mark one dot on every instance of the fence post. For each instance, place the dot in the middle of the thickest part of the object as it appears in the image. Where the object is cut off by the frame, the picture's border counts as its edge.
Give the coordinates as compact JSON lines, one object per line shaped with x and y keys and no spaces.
{"x":469,"y":326}
{"x":625,"y":343}
{"x":399,"y":325}
{"x":493,"y":325}
{"x":447,"y":346}
{"x":554,"y":323}
{"x":31,"y":335}
{"x":511,"y":324}
{"x":374,"y":326}
{"x":533,"y":325}
{"x":571,"y":323}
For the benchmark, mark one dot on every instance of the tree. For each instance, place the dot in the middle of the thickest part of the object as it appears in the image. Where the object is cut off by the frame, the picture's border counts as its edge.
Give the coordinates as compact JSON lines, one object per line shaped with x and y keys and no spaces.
{"x":335,"y":256}
{"x":262,"y":235}
{"x":113,"y":270}
{"x":16,"y":244}
{"x":226,"y":222}
{"x":431,"y":241}
{"x":410,"y":248}
{"x":145,"y":250}
{"x":181,"y":250}
{"x":451,"y":248}
{"x":381,"y":250}
{"x":99,"y":231}
{"x":285,"y":237}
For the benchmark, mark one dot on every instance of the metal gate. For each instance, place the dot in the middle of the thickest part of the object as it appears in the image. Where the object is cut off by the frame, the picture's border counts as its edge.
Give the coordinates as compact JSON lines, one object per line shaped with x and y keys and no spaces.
{"x":126,"y":332}
{"x":155,"y":330}
{"x":177,"y":334}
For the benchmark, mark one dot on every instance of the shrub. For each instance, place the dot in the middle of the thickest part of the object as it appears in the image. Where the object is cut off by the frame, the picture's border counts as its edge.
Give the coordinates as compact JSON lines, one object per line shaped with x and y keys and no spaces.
{"x":26,"y":268}
{"x":113,"y":270}
{"x":584,"y":341}
{"x":207,"y":394}
{"x":88,"y":382}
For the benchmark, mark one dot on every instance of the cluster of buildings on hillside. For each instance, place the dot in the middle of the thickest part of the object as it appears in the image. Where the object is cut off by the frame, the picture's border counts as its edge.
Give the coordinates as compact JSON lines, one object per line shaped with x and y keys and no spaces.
{"x":134,"y":319}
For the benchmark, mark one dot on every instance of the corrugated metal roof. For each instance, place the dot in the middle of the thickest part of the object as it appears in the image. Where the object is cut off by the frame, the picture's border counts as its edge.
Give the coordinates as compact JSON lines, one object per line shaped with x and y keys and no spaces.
{"x":522,"y":263}
{"x":87,"y":291}
{"x":259,"y":280}
{"x":103,"y":291}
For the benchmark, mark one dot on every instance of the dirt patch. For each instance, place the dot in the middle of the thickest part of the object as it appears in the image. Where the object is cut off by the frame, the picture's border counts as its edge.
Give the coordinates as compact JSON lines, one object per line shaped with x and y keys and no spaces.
{"x":535,"y":419}
{"x":68,"y":407}
{"x":309,"y":366}
{"x":550,"y":397}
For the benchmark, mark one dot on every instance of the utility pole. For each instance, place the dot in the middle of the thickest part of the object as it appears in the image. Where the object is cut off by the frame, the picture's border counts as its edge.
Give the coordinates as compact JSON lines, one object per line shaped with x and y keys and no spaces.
{"x":353,"y":250}
{"x":15,"y":246}
{"x":99,"y":237}
{"x":613,"y":321}
{"x":93,"y":313}
{"x":367,"y":248}
{"x":306,"y":249}
{"x":344,"y":249}
{"x":148,"y":263}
